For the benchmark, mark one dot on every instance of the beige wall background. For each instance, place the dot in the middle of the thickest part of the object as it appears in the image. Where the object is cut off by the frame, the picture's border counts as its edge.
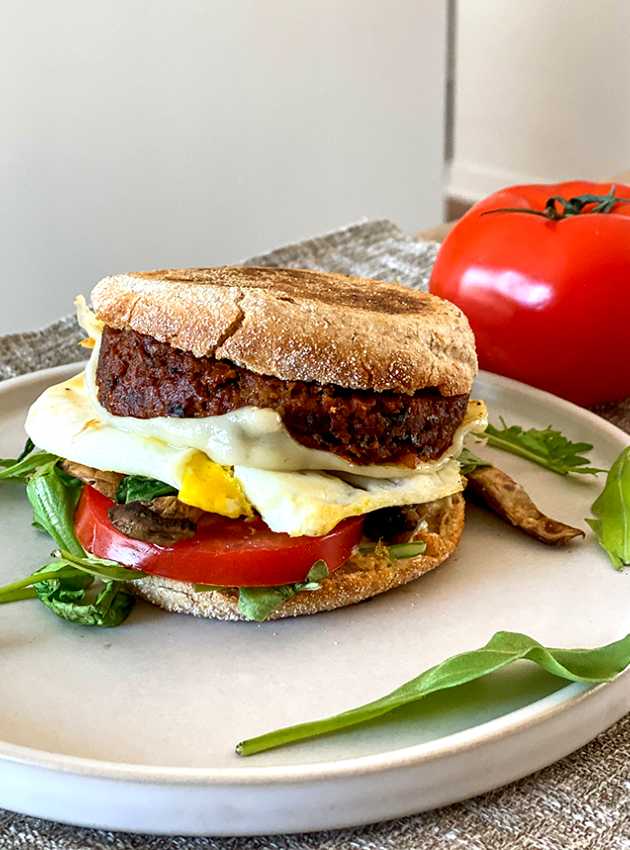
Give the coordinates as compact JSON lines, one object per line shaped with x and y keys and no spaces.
{"x":542,"y":92}
{"x":144,"y":133}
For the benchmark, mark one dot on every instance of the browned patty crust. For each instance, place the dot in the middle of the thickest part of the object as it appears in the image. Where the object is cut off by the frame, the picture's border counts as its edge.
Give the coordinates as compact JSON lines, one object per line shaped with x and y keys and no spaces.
{"x":141,"y":377}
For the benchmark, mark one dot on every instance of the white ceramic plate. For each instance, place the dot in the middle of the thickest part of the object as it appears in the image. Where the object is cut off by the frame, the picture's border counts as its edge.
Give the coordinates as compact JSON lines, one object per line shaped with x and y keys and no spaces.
{"x":134,"y":728}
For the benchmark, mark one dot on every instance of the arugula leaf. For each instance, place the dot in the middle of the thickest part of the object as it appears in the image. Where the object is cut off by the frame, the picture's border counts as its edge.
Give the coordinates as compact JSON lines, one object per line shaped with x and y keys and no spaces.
{"x":577,"y":665}
{"x":53,"y":570}
{"x":135,"y":488}
{"x":257,"y":603}
{"x":99,"y":567}
{"x":18,"y":595}
{"x":395,"y":551}
{"x":22,"y":468}
{"x":76,"y":587}
{"x":612,"y":512}
{"x":468,"y":462}
{"x":546,"y":447}
{"x":54,"y":501}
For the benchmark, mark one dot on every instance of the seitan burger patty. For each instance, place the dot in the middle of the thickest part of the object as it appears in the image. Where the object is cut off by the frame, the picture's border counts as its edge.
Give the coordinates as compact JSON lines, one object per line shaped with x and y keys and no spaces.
{"x":141,"y":377}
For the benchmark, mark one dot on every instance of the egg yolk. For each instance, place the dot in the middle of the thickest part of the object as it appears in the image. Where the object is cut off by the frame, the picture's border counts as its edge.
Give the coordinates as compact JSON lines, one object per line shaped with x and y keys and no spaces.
{"x":213,"y":488}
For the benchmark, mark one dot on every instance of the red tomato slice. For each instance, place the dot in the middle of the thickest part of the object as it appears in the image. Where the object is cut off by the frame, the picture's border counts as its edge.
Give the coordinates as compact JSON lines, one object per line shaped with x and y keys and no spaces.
{"x":226,"y":552}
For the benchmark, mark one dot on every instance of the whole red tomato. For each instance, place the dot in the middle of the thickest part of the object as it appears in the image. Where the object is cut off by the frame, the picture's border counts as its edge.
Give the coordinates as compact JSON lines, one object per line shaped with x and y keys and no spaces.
{"x":543,"y":274}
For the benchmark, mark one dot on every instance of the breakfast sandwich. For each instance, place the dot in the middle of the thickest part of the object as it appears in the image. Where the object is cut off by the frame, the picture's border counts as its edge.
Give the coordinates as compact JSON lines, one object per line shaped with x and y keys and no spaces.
{"x":261,"y":442}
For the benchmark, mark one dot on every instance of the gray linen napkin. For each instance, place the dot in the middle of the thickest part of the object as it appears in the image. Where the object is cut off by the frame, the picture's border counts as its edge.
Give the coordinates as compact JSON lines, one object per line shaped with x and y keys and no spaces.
{"x":580,"y":803}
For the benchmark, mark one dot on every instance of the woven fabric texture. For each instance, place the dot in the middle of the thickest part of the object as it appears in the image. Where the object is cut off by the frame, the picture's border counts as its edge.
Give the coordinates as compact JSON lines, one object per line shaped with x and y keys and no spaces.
{"x":580,"y":803}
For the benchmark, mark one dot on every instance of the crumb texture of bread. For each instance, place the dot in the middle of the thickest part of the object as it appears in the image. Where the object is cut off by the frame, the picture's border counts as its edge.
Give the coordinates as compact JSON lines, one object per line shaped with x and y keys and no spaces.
{"x":360,"y":578}
{"x":299,"y":325}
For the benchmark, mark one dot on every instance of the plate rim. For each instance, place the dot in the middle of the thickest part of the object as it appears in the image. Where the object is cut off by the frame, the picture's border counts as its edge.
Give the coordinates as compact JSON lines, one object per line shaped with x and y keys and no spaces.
{"x":513,"y":722}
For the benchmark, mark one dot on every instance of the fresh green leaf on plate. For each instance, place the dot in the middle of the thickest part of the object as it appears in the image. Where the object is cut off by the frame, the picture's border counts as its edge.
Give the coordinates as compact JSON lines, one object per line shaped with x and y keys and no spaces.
{"x":611,"y":510}
{"x":18,"y":595}
{"x":577,"y":665}
{"x":99,"y":567}
{"x":77,"y":587}
{"x":22,"y":469}
{"x":55,"y":569}
{"x":135,"y":488}
{"x":547,"y":447}
{"x":69,"y":599}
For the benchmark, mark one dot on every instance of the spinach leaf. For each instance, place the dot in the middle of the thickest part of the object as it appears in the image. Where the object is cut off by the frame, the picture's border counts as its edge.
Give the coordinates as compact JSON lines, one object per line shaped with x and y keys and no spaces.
{"x":612,"y":512}
{"x":546,"y":447}
{"x":468,"y":462}
{"x":135,"y":488}
{"x":54,"y":501}
{"x":76,"y":587}
{"x":67,"y":598}
{"x":257,"y":603}
{"x":577,"y":665}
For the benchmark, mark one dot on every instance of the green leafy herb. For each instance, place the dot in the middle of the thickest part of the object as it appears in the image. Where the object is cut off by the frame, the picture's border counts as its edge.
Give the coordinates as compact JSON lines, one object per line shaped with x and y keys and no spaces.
{"x":547,"y":447}
{"x":65,"y":584}
{"x":55,"y":569}
{"x":257,"y":603}
{"x":77,"y":587}
{"x":576,"y":665}
{"x":54,"y":501}
{"x":612,"y":512}
{"x":18,"y":595}
{"x":395,"y":551}
{"x":135,"y":488}
{"x":68,"y":598}
{"x":99,"y":567}
{"x":22,"y":469}
{"x":468,"y":462}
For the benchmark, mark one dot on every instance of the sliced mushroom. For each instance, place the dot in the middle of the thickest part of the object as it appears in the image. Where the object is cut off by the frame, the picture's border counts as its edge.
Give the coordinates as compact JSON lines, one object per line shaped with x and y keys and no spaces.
{"x":509,"y":500}
{"x":105,"y":482}
{"x":138,"y":520}
{"x":170,"y":507}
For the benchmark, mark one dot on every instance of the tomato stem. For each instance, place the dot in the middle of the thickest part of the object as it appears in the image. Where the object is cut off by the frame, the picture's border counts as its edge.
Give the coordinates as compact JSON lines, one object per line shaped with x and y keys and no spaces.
{"x":558,"y":208}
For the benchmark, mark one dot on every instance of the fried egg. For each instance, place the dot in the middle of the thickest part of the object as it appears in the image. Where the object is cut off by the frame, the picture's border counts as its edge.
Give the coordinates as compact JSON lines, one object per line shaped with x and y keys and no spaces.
{"x":63,"y":421}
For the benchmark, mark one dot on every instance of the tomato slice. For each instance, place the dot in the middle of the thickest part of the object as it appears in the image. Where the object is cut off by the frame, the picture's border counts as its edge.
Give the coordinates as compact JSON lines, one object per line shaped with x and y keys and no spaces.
{"x":226,"y":552}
